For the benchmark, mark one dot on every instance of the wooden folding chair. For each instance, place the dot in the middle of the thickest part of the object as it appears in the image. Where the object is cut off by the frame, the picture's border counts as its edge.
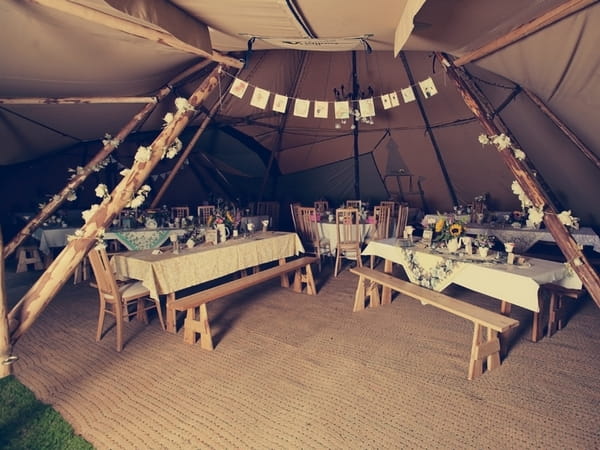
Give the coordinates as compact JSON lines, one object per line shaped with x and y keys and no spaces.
{"x":383,"y":215}
{"x":347,"y":222}
{"x":308,"y":231}
{"x":116,"y":298}
{"x":204,"y":212}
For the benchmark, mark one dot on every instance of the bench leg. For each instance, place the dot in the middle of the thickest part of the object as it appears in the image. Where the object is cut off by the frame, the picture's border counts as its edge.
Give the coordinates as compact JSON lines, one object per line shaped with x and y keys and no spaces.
{"x":285,"y":280}
{"x":483,"y":348}
{"x":386,"y":292}
{"x":359,"y":295}
{"x":306,"y":278}
{"x":198,"y":323}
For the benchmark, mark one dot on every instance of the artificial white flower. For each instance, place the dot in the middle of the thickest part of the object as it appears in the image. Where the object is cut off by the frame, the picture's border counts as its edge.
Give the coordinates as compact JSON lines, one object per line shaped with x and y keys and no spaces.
{"x":502,"y":141}
{"x":101,"y":190}
{"x":168,"y":117}
{"x":145,"y":188}
{"x":535,"y":216}
{"x":483,"y":139}
{"x":125,"y":172}
{"x":567,"y":219}
{"x":79,"y":232}
{"x":183,"y":105}
{"x":88,"y":213}
{"x":108,"y":140}
{"x":173,"y":149}
{"x":518,"y":191}
{"x":519,"y":154}
{"x":136,"y":201}
{"x":72,"y":196}
{"x":143,"y":154}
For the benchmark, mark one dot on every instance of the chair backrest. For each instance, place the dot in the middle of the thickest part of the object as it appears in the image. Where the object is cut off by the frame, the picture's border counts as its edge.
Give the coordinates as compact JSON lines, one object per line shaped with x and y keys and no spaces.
{"x":321,"y":205}
{"x":295,"y":215}
{"x":392,"y":204}
{"x":204,"y":212}
{"x":348,"y":225}
{"x":180,"y":212}
{"x":354,"y":204}
{"x":105,"y":278}
{"x":402,"y":219}
{"x":270,"y":209}
{"x":383,"y":215}
{"x":308,"y":228}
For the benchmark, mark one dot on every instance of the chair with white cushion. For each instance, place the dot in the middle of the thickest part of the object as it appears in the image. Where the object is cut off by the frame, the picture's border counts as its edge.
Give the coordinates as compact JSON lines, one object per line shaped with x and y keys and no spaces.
{"x":115,"y":298}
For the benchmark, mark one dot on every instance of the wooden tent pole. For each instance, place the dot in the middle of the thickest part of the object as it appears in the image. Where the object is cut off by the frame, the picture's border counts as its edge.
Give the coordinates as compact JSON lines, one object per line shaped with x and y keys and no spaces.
{"x":184,"y":156}
{"x":554,"y":15}
{"x":567,"y":244}
{"x":5,"y":345}
{"x":26,"y":311}
{"x":436,"y":148}
{"x":564,"y":128}
{"x":74,"y":100}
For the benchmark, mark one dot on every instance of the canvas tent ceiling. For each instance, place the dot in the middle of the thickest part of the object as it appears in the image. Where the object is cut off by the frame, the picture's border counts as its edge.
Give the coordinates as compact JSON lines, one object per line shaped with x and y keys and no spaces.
{"x":49,"y":53}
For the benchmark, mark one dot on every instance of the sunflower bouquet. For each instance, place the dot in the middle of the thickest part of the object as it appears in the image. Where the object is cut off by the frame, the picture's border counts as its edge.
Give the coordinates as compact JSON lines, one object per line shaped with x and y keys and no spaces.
{"x":448,"y":228}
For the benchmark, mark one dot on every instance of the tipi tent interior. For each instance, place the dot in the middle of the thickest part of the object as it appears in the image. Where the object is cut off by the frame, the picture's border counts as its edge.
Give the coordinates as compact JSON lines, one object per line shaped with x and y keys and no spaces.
{"x":78,"y":73}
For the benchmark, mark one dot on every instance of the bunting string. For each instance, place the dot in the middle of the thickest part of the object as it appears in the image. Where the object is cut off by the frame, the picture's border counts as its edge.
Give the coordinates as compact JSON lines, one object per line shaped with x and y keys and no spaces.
{"x":363,"y":109}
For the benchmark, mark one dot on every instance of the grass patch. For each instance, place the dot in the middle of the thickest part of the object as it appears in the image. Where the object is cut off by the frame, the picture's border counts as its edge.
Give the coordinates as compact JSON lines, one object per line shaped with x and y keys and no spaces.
{"x":26,"y":423}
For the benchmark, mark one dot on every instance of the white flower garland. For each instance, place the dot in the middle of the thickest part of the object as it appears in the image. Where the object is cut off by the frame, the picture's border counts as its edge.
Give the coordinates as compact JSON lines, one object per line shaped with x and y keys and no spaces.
{"x":503,"y":142}
{"x":535,"y":215}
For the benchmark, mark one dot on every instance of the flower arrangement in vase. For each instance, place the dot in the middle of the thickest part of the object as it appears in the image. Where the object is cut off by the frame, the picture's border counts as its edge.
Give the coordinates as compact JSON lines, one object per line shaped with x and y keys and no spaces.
{"x":484,"y":242}
{"x":448,"y":231}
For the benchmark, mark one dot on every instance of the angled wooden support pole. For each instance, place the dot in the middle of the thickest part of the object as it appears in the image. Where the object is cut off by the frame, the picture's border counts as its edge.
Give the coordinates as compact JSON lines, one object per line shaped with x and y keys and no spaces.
{"x":567,"y":244}
{"x":6,"y":357}
{"x":26,"y":311}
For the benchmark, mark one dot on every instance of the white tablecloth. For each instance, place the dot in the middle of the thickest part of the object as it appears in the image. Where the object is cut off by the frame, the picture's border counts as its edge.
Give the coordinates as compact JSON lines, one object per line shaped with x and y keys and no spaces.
{"x":518,"y":285}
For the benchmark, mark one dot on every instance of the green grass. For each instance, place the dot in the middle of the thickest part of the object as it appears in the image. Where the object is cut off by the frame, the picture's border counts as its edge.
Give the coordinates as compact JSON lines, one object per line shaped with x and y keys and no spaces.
{"x":26,"y":423}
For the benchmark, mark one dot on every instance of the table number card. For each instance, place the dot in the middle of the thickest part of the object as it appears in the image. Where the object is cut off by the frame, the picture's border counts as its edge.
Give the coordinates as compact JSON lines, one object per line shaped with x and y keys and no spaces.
{"x":211,"y":236}
{"x":427,"y":236}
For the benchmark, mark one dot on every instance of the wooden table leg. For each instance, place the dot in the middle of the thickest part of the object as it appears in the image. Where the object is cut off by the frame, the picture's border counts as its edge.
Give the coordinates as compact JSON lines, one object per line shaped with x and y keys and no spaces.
{"x":505,"y":309}
{"x":386,"y":292}
{"x":171,"y":315}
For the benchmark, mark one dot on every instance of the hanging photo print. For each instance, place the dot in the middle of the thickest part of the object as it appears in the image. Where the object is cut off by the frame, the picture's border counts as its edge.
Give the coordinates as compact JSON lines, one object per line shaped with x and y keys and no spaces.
{"x":408,"y":95}
{"x":260,"y":97}
{"x":385,"y":101}
{"x":321,"y":109}
{"x":280,"y":103}
{"x":238,"y":88}
{"x":301,"y":107}
{"x":428,"y":88}
{"x":367,"y":107}
{"x":342,"y":110}
{"x":394,"y":99}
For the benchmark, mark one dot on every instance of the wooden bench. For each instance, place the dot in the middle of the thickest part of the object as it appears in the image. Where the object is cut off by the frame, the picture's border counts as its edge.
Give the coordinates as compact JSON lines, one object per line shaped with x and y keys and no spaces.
{"x":196,"y":321}
{"x":487,"y":324}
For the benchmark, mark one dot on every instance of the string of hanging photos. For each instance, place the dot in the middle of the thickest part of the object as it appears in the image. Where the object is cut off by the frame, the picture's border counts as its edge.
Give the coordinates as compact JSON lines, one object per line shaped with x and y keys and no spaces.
{"x":344,"y":107}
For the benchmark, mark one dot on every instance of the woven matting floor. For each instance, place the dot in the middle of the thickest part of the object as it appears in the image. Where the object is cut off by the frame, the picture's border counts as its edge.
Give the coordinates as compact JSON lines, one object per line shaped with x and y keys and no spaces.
{"x":295,"y":371}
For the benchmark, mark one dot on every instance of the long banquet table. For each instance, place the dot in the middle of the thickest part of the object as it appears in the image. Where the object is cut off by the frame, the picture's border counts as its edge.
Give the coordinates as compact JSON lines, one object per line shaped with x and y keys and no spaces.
{"x":165,"y":273}
{"x":517,"y":285}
